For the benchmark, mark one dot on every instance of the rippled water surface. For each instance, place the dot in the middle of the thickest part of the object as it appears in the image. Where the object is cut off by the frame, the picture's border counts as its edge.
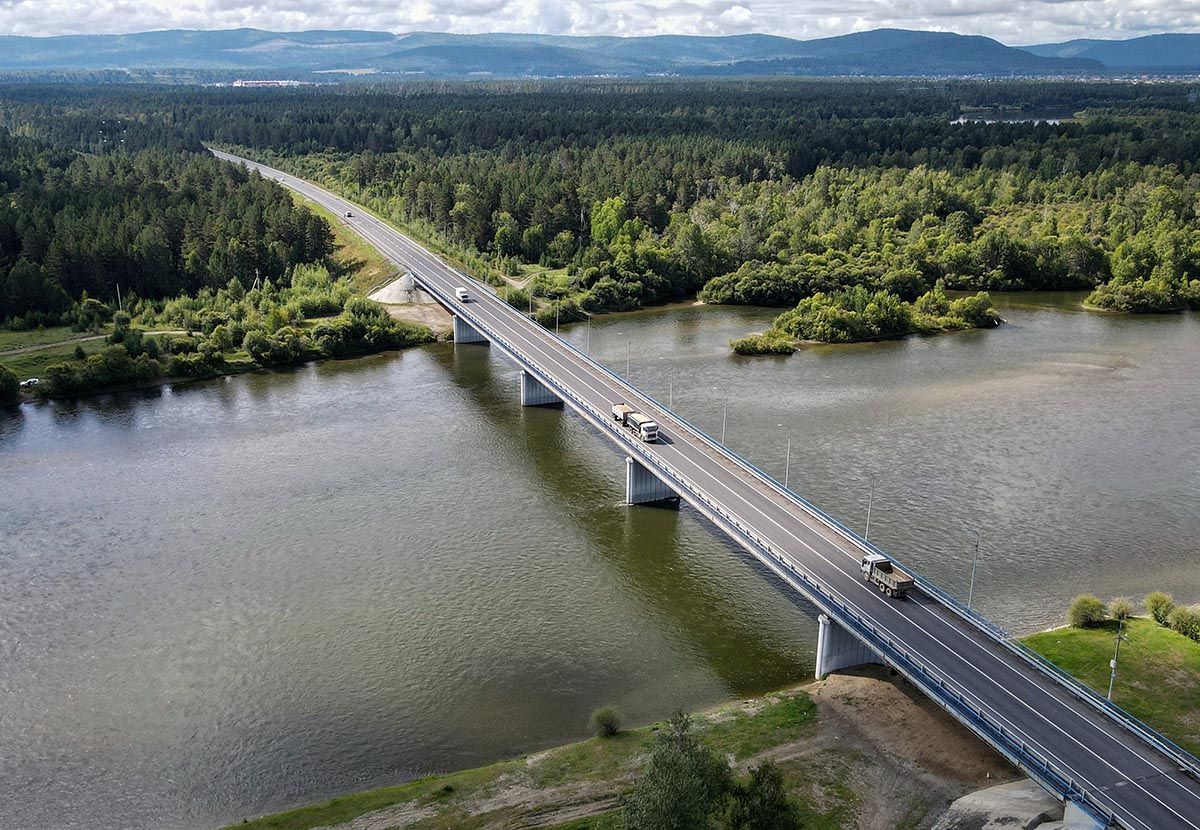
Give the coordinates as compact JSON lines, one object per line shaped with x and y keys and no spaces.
{"x":230,"y":597}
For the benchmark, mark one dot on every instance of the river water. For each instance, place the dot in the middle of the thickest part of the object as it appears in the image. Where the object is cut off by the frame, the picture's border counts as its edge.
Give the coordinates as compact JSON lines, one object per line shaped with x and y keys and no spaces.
{"x":229,"y":597}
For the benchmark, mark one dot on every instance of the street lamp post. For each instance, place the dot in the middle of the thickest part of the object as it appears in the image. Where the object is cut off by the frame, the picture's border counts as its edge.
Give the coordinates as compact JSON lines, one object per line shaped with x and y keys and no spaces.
{"x":974,"y":565}
{"x":628,"y":347}
{"x":787,"y":464}
{"x":1112,"y":677}
{"x":870,"y":502}
{"x":724,"y":418}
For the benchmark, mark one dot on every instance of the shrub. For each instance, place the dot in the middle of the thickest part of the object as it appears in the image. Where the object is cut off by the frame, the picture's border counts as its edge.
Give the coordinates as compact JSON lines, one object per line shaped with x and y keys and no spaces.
{"x":1186,"y":621}
{"x":606,"y":722}
{"x":10,"y":387}
{"x":1120,"y":609}
{"x":761,"y":803}
{"x":1159,"y":605}
{"x":1086,"y":611}
{"x":770,"y":342}
{"x":684,"y":782}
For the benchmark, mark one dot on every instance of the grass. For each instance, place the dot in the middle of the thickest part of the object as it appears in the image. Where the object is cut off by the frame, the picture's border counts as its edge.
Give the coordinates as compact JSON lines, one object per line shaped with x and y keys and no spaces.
{"x":1158,"y":675}
{"x":597,"y":765}
{"x":40,"y":337}
{"x":354,"y":256}
{"x":33,"y":364}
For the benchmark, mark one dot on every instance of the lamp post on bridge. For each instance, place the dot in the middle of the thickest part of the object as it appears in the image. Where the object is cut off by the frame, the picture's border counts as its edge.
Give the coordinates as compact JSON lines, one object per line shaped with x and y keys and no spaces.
{"x":724,"y":417}
{"x":870,"y":502}
{"x":787,"y":463}
{"x":974,"y":565}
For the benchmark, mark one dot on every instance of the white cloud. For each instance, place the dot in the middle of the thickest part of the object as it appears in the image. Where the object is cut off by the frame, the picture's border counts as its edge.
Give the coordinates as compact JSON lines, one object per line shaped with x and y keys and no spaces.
{"x":1012,"y":21}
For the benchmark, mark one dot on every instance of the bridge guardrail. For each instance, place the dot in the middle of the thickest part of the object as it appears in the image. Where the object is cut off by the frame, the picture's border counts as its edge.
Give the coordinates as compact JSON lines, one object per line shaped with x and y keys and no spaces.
{"x":1017,"y":750}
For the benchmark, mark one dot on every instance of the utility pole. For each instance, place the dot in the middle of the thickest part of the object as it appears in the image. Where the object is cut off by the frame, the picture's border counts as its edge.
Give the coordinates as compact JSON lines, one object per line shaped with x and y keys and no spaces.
{"x":870,"y":501}
{"x":974,"y":565}
{"x":1112,"y":677}
{"x":120,"y":305}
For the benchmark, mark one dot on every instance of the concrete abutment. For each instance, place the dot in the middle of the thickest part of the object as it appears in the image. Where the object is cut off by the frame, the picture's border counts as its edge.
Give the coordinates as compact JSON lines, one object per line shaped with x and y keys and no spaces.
{"x":837,"y":648}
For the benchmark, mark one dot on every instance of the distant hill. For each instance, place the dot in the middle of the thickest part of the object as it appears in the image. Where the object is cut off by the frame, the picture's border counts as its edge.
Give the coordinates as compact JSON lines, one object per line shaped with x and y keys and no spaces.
{"x":1172,"y":52}
{"x":881,"y":52}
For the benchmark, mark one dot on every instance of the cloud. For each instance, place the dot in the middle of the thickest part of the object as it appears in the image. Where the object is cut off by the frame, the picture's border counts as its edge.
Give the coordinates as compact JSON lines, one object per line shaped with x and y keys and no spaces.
{"x":1011,"y":21}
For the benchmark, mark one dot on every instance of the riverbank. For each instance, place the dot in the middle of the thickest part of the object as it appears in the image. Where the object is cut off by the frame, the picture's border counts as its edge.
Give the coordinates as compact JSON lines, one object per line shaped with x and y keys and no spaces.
{"x":843,"y":745}
{"x":68,"y":364}
{"x":1158,"y":674}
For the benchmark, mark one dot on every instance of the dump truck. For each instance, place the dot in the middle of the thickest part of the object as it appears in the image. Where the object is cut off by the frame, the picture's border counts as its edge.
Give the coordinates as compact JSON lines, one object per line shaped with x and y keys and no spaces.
{"x":642,"y":425}
{"x":881,"y":571}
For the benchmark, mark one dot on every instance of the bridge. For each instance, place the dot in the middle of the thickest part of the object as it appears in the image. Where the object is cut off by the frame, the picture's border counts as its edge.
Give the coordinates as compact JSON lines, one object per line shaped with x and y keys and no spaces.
{"x":1108,"y":768}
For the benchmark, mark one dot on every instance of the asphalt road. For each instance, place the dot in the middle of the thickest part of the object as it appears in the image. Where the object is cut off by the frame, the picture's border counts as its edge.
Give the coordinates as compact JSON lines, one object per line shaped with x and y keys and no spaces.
{"x":1119,"y":770}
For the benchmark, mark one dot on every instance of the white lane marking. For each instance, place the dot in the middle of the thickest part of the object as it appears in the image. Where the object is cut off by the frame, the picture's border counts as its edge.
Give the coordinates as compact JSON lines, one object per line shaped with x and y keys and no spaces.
{"x":452,"y":277}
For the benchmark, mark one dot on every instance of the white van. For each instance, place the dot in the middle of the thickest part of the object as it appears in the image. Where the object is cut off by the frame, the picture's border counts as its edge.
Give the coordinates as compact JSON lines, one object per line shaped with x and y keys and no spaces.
{"x":463,"y":296}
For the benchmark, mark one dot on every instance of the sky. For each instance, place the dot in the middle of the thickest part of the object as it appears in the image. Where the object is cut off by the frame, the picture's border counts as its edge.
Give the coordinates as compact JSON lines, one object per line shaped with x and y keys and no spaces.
{"x":1010,"y":21}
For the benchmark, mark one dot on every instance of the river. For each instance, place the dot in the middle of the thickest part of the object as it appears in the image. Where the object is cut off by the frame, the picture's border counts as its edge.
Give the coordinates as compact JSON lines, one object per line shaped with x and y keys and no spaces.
{"x":225,"y":598}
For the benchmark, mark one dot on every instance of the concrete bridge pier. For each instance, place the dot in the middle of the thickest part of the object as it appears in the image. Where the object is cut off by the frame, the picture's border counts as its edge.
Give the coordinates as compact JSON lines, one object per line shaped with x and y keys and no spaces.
{"x":535,"y":393}
{"x":644,"y":487}
{"x":464,"y":333}
{"x":837,"y":649}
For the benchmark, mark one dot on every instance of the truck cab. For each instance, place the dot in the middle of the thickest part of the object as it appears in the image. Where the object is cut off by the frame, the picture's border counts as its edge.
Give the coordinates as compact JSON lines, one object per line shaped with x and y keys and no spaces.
{"x":646,"y":429}
{"x":882,"y":572}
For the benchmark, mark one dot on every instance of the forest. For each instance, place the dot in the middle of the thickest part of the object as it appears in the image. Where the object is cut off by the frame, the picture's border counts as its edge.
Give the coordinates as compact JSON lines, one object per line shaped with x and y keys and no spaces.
{"x":600,"y":196}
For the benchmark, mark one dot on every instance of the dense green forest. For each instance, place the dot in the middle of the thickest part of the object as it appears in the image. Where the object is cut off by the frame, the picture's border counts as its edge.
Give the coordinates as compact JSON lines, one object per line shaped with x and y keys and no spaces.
{"x":170,"y":239}
{"x":154,"y":223}
{"x":613,"y":195}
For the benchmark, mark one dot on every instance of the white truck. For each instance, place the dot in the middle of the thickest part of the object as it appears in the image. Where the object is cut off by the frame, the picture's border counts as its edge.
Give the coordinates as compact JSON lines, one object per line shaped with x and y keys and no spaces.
{"x":881,"y":571}
{"x":642,"y":425}
{"x":463,"y":296}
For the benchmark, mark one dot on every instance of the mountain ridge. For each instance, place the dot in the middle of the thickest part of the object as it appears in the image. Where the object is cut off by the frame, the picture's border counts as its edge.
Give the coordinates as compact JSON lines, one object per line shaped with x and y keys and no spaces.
{"x":879,"y":52}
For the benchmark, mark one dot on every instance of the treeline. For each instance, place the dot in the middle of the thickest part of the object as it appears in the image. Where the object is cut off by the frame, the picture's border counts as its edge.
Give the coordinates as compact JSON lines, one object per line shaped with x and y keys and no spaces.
{"x":765,"y":193}
{"x":232,"y":329}
{"x":151,"y":223}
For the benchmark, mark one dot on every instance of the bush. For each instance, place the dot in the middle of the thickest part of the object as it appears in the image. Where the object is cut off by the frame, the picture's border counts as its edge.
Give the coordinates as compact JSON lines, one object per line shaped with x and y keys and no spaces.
{"x":684,"y":783}
{"x":770,"y":342}
{"x":606,"y":722}
{"x":1120,"y":609}
{"x":761,"y":804}
{"x":1160,"y":605}
{"x":1086,"y":611}
{"x":1186,"y":621}
{"x":10,"y":387}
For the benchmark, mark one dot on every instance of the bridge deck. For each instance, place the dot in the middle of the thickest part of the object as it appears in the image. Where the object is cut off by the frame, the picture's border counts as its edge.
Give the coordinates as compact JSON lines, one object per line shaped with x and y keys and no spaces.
{"x":1051,"y":728}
